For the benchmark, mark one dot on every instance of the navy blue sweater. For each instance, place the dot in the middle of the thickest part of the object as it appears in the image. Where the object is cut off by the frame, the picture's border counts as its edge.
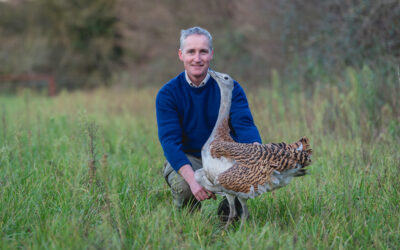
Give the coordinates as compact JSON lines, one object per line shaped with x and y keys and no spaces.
{"x":186,"y":117}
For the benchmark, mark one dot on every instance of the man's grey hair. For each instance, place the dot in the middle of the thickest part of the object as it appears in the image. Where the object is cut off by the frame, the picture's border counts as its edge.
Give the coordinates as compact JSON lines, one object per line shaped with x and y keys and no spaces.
{"x":195,"y":31}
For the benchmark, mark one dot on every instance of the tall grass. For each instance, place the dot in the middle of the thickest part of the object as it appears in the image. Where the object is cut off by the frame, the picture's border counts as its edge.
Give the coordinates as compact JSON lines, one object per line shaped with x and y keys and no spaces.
{"x":49,"y":198}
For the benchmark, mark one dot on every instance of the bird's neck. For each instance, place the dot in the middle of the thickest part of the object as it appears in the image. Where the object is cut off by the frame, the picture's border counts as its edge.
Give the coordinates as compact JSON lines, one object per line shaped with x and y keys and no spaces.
{"x":221,"y":127}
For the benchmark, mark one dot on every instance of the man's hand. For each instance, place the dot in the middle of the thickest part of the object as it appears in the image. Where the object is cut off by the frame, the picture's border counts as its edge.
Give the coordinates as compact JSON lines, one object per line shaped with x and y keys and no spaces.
{"x":199,"y":192}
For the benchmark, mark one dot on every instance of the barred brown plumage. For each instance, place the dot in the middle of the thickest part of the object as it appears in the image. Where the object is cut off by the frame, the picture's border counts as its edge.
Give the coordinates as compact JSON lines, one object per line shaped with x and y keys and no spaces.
{"x":246,"y":170}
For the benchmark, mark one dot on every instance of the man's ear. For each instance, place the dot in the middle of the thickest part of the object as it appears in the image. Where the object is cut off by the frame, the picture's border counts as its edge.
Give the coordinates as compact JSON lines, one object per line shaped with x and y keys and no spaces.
{"x":212,"y":54}
{"x":180,"y":55}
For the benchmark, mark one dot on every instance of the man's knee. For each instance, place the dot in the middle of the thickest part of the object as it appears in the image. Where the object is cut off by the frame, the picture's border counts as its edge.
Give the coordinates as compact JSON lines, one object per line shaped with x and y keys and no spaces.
{"x":179,"y":188}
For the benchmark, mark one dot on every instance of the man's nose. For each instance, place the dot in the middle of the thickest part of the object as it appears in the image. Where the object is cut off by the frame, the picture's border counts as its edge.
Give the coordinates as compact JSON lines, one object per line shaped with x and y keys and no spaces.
{"x":197,"y":57}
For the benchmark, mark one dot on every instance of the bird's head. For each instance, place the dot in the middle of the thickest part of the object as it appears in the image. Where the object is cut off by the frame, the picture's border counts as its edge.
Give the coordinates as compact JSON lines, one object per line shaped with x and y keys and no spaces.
{"x":223,"y":80}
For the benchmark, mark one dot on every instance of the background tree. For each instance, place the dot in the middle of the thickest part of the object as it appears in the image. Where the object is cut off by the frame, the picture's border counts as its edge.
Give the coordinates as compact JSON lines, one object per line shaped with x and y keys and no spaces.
{"x":93,"y":43}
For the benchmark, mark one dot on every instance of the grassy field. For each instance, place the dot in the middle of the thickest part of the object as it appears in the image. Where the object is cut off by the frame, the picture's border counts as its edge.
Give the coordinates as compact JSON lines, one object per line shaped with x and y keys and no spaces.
{"x":84,"y":170}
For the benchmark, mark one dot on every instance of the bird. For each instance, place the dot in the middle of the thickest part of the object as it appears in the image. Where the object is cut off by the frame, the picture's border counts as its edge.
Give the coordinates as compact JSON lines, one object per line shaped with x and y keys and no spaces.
{"x":246,"y":170}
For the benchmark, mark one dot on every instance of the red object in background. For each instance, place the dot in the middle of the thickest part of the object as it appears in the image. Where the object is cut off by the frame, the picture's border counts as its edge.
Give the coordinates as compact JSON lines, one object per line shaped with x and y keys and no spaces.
{"x":49,"y":78}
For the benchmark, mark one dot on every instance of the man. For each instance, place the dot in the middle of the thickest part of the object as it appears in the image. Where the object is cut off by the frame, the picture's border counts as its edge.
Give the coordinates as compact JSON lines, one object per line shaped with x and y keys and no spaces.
{"x":187,"y":109}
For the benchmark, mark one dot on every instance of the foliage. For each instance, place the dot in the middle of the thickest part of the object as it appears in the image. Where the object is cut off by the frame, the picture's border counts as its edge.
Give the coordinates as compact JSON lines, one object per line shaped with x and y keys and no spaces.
{"x":75,"y":41}
{"x":100,"y":42}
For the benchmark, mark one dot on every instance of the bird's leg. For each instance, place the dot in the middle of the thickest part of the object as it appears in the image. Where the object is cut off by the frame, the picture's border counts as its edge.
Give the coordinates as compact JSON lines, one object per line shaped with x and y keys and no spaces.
{"x":245,"y":211}
{"x":232,"y":209}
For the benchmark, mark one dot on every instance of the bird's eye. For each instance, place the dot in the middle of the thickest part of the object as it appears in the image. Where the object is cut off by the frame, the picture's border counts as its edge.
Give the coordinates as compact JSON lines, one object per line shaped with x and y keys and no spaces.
{"x":226,"y":78}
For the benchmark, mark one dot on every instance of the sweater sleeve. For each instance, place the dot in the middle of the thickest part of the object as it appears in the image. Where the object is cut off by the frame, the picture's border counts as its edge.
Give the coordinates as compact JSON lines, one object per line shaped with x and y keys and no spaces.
{"x":241,"y":120}
{"x":170,"y":130}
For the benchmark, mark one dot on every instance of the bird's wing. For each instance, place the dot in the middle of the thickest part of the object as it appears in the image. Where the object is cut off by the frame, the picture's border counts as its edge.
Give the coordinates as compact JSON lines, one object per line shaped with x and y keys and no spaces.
{"x":280,"y":156}
{"x":233,"y":150}
{"x":243,"y":179}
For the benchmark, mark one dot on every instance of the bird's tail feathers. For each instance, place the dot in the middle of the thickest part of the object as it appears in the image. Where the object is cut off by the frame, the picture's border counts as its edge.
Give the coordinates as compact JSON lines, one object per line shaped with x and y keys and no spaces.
{"x":305,"y":152}
{"x":302,"y":145}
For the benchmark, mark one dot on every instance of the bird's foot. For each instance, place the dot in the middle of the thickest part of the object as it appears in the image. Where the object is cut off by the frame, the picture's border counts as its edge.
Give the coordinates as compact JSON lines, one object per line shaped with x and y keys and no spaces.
{"x":245,"y":212}
{"x":224,"y":211}
{"x":229,"y":222}
{"x":232,"y":210}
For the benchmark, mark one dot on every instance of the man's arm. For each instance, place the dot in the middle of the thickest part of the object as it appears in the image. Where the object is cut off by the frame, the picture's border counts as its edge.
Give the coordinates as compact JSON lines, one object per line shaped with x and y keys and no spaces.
{"x":169,"y":129}
{"x":170,"y":135}
{"x":241,"y":120}
{"x":199,"y":192}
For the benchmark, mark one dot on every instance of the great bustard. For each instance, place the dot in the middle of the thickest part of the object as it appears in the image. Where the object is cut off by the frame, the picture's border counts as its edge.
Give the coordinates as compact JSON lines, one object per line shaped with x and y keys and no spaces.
{"x":246,"y":170}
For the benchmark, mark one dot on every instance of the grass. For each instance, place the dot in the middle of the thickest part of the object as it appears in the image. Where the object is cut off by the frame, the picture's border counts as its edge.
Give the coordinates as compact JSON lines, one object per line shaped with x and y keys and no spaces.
{"x":52,"y":197}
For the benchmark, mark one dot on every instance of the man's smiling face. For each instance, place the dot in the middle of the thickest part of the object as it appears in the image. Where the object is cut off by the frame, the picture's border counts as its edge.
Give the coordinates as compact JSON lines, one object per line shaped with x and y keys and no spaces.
{"x":196,"y":56}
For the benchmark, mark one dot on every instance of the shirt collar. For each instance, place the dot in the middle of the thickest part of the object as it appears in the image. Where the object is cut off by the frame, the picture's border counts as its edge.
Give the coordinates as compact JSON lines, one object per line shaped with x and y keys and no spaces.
{"x":194,"y":85}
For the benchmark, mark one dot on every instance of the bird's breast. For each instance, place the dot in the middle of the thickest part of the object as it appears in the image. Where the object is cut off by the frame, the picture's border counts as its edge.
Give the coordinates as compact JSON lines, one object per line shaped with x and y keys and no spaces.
{"x":215,"y":166}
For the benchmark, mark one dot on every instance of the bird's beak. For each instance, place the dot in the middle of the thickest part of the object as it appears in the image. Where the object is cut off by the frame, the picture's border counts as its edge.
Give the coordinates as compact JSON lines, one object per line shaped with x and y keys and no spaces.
{"x":212,"y":73}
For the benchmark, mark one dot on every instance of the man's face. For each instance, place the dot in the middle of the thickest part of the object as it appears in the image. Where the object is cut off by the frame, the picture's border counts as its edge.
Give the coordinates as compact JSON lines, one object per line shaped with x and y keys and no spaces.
{"x":196,"y":56}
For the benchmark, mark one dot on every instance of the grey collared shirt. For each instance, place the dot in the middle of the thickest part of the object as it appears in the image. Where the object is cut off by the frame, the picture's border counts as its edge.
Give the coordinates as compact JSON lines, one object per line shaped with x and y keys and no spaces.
{"x":194,"y":85}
